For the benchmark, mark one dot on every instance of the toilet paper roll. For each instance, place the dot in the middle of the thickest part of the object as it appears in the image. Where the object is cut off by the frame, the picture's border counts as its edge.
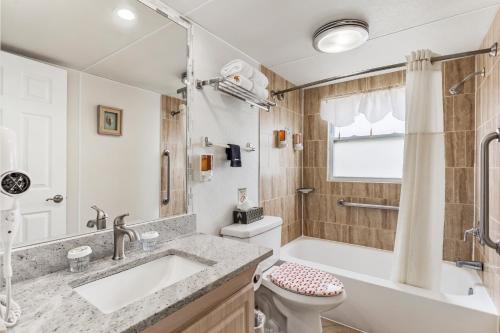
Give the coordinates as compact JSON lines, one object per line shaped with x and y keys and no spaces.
{"x":257,"y":277}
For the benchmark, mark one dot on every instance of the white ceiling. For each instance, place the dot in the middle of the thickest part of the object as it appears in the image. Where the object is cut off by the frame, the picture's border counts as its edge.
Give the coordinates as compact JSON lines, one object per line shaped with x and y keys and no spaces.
{"x":86,"y":35}
{"x":154,"y":63}
{"x":278,"y":33}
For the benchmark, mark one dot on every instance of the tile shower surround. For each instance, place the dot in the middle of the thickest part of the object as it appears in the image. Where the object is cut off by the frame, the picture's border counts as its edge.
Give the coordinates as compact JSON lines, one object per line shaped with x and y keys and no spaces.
{"x":369,"y":227}
{"x":281,"y":168}
{"x":488,"y":120}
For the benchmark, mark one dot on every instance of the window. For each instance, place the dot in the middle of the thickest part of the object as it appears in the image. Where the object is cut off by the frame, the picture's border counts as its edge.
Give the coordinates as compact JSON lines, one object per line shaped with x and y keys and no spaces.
{"x":366,"y":147}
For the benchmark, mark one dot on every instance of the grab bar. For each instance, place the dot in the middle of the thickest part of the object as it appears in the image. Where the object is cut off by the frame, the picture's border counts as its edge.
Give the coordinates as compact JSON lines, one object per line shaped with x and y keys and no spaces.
{"x":344,"y":203}
{"x":484,"y":209}
{"x":166,"y":197}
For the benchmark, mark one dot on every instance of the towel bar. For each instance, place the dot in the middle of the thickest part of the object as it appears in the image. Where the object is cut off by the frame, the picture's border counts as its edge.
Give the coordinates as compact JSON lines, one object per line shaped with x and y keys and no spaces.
{"x":207,"y":143}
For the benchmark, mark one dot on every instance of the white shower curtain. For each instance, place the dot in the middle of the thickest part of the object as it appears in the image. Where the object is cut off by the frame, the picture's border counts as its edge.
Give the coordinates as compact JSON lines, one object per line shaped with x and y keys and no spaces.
{"x":418,"y":248}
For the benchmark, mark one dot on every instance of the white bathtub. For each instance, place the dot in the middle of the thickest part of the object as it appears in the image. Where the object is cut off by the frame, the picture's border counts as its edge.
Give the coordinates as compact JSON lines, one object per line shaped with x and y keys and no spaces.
{"x":376,"y":305}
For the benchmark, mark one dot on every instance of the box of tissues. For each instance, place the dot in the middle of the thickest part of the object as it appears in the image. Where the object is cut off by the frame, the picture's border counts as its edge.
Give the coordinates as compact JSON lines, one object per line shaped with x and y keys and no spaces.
{"x":248,"y":216}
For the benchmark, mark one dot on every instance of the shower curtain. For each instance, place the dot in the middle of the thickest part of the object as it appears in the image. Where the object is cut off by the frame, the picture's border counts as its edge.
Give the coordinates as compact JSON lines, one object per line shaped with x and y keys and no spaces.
{"x":419,"y":237}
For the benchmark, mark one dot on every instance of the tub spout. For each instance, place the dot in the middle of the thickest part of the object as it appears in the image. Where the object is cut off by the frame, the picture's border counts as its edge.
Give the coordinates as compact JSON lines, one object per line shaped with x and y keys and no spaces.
{"x":477,"y":265}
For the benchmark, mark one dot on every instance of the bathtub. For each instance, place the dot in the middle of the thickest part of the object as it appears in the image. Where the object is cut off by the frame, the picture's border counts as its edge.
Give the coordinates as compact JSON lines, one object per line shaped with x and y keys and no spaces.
{"x":374,"y":304}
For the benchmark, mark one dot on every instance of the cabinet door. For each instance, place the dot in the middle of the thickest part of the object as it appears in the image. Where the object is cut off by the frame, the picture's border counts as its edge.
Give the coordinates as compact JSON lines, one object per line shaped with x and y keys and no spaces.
{"x":235,"y":315}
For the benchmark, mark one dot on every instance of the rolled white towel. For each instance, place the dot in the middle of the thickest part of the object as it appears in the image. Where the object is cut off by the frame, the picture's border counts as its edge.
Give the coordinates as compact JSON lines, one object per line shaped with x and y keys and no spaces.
{"x":260,"y":79}
{"x":241,"y":81}
{"x":260,"y":91}
{"x":237,"y":66}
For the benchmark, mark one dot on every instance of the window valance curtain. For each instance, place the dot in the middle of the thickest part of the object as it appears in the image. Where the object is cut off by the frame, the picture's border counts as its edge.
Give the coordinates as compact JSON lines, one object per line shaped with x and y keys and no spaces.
{"x":375,"y":105}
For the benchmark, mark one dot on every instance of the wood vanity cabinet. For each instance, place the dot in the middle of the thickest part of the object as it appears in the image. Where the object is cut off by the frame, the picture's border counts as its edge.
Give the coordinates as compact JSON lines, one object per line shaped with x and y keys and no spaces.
{"x":232,"y":316}
{"x":226,"y":309}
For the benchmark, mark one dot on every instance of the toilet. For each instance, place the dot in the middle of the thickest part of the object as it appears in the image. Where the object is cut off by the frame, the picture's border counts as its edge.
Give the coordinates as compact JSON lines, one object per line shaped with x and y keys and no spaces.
{"x":298,"y":307}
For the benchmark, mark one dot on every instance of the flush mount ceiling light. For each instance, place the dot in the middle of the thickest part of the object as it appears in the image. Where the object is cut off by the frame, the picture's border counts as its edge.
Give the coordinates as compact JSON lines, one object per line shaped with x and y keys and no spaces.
{"x":125,"y":14}
{"x":340,"y":35}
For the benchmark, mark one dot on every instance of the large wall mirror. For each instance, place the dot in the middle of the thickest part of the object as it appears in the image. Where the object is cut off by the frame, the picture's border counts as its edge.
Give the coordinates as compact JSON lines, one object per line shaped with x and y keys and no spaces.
{"x":98,"y":101}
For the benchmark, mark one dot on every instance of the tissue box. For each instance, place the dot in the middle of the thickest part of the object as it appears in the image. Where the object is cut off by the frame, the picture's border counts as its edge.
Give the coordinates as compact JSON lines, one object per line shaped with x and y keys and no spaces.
{"x":249,"y":216}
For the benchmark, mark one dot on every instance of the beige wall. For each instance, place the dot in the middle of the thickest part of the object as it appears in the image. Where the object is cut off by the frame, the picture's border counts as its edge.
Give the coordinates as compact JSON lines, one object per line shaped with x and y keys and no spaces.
{"x":376,"y":228}
{"x":281,"y":168}
{"x":173,"y":137}
{"x":120,"y":174}
{"x":488,"y":120}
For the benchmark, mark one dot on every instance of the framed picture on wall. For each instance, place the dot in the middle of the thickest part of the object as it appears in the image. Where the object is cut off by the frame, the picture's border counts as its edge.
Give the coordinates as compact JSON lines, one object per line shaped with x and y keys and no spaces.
{"x":109,"y":120}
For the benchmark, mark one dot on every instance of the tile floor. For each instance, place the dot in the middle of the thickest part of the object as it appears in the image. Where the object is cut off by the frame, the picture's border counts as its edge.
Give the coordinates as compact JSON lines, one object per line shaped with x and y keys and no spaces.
{"x":333,"y":327}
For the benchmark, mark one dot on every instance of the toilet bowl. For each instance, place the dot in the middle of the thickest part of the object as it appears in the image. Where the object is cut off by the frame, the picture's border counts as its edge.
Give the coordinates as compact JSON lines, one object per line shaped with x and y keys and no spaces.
{"x":301,"y":312}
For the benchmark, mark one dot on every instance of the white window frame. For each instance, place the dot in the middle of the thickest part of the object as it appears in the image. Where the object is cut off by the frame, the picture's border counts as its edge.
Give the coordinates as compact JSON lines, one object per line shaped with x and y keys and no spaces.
{"x":330,"y":156}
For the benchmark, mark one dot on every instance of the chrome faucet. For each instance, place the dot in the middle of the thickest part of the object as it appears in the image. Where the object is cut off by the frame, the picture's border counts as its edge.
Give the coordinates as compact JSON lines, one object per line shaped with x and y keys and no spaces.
{"x":119,"y":232}
{"x":477,"y":265}
{"x":100,"y":220}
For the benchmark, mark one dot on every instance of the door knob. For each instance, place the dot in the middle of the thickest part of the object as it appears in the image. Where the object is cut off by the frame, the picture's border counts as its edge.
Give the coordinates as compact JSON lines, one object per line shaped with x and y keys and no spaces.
{"x":56,"y":198}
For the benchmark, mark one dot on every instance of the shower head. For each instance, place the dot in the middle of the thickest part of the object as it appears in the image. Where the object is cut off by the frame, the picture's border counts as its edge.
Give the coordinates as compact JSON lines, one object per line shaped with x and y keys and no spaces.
{"x":459,"y":87}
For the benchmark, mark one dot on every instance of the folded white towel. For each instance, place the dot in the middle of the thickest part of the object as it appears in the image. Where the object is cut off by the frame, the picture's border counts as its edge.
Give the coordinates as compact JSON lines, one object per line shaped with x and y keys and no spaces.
{"x":260,"y":91}
{"x":260,"y":79}
{"x":241,"y":81}
{"x":237,"y":66}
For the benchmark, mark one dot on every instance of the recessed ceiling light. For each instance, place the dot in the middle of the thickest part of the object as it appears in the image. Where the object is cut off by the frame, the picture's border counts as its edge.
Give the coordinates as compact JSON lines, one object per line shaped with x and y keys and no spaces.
{"x":125,"y":14}
{"x":340,"y":36}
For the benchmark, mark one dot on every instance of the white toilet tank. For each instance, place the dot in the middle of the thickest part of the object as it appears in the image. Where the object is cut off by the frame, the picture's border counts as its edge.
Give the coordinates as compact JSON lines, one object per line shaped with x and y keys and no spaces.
{"x":266,"y":233}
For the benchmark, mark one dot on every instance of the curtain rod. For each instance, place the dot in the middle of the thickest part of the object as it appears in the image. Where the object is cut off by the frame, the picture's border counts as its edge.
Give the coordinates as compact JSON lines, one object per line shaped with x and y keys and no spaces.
{"x":492,"y":51}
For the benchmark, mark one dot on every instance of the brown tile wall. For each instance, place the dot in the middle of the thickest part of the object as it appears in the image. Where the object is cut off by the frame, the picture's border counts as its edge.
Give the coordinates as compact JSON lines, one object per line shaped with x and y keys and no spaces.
{"x":173,"y":137}
{"x":488,"y":120}
{"x":376,"y":228}
{"x":323,"y":218}
{"x":459,"y":127}
{"x":281,"y":168}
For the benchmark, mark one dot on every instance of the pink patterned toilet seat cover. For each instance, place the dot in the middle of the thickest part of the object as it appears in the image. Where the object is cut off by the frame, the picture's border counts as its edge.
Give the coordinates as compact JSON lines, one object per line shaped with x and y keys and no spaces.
{"x":306,"y":280}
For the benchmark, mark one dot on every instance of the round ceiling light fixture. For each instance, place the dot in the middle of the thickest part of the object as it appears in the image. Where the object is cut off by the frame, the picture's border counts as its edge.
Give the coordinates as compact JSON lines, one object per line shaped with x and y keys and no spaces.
{"x":340,"y":35}
{"x":126,"y":14}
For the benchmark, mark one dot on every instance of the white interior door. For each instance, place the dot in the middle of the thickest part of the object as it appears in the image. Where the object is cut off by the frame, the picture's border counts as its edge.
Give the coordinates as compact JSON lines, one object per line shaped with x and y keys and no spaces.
{"x":33,"y":102}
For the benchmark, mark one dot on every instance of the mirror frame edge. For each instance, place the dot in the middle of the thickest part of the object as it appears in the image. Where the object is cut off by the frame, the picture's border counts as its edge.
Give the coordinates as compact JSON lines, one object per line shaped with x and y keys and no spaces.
{"x":173,"y":15}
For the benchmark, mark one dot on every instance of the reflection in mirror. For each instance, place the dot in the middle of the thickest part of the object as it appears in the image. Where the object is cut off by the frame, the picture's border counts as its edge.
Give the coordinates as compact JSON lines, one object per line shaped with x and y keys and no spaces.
{"x":93,"y":98}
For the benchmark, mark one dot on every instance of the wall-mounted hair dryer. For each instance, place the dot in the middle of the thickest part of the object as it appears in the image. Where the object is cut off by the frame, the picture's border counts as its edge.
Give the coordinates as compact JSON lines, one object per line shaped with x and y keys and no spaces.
{"x":13,"y":183}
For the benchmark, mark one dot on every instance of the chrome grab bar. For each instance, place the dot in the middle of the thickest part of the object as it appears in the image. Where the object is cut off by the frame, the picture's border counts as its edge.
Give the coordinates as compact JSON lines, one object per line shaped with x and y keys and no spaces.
{"x":344,"y":203}
{"x":166,"y":197}
{"x":484,"y":210}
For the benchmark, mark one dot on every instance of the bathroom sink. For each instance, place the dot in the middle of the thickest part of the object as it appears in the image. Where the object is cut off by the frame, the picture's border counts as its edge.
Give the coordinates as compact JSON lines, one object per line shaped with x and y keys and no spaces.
{"x":115,"y":291}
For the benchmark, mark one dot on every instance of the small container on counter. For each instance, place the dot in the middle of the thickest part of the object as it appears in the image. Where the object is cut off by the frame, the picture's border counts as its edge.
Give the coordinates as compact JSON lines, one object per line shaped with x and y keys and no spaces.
{"x":79,"y":259}
{"x":149,"y":240}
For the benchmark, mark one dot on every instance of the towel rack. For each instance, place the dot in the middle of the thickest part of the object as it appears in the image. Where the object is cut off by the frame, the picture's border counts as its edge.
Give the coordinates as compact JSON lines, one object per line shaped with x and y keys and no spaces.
{"x":344,"y":203}
{"x":236,"y":91}
{"x":207,"y":143}
{"x":484,"y":209}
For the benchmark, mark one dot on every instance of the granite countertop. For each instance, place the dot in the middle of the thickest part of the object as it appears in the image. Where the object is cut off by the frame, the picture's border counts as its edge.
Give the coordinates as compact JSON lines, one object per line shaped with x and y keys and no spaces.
{"x":49,"y":303}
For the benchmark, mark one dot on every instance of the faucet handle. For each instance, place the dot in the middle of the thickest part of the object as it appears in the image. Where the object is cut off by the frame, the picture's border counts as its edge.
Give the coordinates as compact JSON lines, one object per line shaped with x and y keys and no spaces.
{"x":472,"y":231}
{"x":100,"y":212}
{"x":120,"y":220}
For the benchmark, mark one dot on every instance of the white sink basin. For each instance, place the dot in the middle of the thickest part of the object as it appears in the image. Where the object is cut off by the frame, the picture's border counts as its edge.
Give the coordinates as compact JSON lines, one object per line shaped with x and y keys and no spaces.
{"x":114,"y":292}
